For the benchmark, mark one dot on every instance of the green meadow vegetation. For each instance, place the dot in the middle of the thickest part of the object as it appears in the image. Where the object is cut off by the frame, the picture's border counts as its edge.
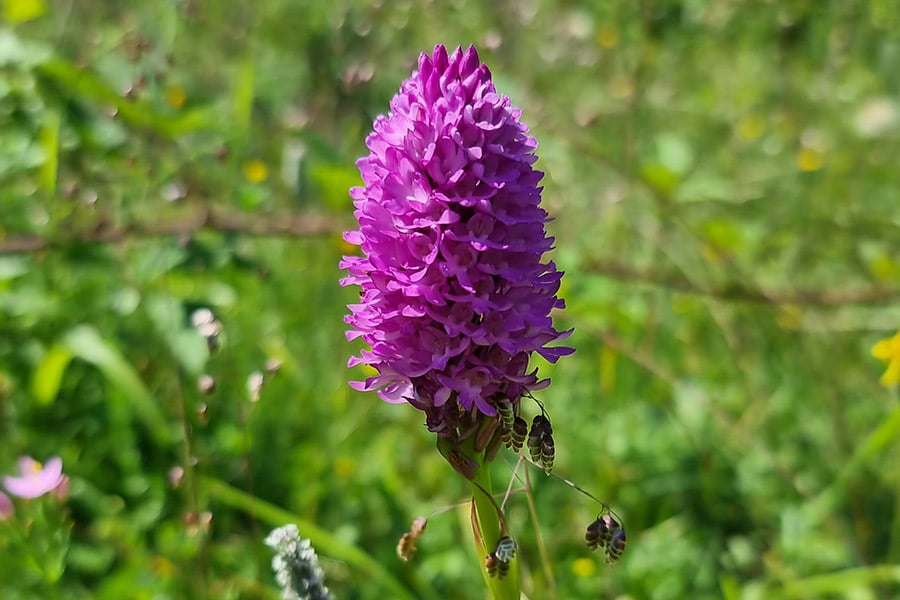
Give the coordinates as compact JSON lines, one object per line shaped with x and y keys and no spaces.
{"x":724,"y":185}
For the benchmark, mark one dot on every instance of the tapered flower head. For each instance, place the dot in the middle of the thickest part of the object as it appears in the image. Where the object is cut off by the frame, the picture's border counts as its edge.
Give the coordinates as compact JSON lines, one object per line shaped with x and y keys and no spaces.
{"x":296,"y":566}
{"x":455,"y":295}
{"x":35,"y":479}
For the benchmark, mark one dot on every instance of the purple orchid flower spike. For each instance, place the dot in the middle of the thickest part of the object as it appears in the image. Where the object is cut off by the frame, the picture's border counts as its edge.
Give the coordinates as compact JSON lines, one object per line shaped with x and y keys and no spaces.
{"x":455,"y":296}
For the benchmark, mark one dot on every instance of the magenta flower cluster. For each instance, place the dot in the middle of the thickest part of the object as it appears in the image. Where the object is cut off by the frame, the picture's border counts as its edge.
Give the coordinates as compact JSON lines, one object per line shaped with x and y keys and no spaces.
{"x":455,"y":296}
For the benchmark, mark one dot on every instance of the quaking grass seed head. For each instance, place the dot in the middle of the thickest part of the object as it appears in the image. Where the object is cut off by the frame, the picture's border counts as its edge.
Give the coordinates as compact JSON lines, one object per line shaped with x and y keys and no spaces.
{"x":606,"y":533}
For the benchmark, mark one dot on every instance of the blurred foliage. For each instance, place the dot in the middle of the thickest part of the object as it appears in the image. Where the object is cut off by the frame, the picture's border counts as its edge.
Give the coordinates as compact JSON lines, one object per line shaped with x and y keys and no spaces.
{"x":723,"y":178}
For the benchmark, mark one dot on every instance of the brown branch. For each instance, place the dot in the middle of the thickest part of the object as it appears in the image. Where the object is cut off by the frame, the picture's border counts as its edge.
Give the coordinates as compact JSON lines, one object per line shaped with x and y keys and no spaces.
{"x":206,"y":218}
{"x":738,"y":292}
{"x":317,"y":225}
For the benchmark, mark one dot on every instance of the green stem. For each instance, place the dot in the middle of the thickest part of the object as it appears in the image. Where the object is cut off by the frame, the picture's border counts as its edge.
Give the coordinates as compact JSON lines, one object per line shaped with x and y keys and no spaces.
{"x":487,"y":534}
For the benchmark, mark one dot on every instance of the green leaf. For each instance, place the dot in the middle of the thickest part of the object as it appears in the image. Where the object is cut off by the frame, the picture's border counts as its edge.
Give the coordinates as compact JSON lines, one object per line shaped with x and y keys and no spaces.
{"x":14,"y":51}
{"x":659,"y":178}
{"x":242,"y":95}
{"x":12,"y":267}
{"x":842,"y":582}
{"x":19,"y":11}
{"x":185,"y":343}
{"x":334,"y":183}
{"x":675,"y":154}
{"x":47,"y":377}
{"x":87,"y":344}
{"x":50,"y":143}
{"x":91,"y":559}
{"x":84,"y":84}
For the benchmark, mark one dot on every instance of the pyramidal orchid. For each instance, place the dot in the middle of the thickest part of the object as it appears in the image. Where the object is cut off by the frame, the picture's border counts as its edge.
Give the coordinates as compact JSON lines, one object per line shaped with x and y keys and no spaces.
{"x":456,"y":296}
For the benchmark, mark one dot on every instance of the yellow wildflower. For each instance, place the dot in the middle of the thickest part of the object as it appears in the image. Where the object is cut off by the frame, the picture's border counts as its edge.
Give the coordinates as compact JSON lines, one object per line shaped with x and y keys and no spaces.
{"x":256,"y":171}
{"x":810,"y":159}
{"x":584,"y":567}
{"x":888,"y":350}
{"x":176,"y":96}
{"x":608,"y":37}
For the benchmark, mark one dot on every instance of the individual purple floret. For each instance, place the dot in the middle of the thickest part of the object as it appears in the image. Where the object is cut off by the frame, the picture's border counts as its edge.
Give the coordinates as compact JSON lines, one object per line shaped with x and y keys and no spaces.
{"x":455,"y":297}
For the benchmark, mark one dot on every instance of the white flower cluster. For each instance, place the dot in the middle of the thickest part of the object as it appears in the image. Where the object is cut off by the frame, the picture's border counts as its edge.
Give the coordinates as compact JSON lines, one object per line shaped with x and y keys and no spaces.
{"x":296,"y":566}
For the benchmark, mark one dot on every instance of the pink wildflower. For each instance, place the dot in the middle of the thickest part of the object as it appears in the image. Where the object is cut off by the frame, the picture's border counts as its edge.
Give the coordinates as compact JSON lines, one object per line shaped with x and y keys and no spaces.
{"x":35,"y":479}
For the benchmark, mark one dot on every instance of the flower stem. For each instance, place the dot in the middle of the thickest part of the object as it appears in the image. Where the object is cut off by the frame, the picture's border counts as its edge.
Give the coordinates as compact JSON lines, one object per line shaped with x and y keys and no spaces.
{"x":487,"y":531}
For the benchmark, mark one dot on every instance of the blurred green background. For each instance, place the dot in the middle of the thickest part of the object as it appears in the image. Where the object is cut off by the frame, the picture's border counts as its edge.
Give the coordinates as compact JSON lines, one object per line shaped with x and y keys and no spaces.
{"x":724,"y":181}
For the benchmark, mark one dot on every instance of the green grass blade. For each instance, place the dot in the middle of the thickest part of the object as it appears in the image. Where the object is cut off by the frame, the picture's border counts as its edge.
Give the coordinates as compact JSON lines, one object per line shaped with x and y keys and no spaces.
{"x":86,"y":343}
